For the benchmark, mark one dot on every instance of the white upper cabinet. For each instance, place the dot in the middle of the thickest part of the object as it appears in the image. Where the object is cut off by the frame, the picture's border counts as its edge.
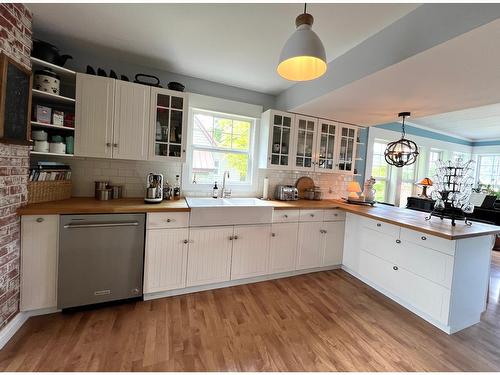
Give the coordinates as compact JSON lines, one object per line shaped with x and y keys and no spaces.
{"x":305,"y":143}
{"x":168,"y":125}
{"x":94,"y":116}
{"x":326,"y":146}
{"x":276,"y":140}
{"x":131,"y":121}
{"x":346,"y":148}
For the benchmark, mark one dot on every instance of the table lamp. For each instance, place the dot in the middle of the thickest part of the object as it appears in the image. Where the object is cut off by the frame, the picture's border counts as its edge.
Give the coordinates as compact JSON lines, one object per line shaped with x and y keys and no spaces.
{"x":425,"y":183}
{"x":353,"y":189}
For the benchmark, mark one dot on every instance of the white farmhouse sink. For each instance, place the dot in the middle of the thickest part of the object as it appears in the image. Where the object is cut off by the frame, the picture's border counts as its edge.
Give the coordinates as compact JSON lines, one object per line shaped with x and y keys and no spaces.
{"x":233,"y":211}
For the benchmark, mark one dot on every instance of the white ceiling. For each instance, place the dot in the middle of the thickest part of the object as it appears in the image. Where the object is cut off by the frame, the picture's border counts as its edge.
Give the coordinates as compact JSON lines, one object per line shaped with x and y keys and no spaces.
{"x":461,"y":73}
{"x":480,"y":123}
{"x":234,"y":44}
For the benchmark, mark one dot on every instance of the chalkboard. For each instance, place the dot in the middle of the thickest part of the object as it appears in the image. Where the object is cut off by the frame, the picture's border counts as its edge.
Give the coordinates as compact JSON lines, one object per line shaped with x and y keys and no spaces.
{"x":15,"y":102}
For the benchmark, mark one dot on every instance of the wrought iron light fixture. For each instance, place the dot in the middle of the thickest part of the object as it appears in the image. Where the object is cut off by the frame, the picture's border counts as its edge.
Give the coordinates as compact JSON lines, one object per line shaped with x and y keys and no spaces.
{"x":303,"y":57}
{"x":402,"y":152}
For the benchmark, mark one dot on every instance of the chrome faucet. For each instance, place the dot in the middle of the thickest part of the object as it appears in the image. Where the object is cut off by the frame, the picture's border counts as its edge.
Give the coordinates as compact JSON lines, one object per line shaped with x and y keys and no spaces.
{"x":224,"y":193}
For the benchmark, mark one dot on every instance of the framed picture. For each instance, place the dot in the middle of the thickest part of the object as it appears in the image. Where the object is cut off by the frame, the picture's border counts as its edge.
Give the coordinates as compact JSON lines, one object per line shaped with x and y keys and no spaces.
{"x":15,"y":101}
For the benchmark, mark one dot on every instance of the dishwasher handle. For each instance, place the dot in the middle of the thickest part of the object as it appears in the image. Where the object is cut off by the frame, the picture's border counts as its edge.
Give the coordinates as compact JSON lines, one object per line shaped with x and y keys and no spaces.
{"x":103,"y":225}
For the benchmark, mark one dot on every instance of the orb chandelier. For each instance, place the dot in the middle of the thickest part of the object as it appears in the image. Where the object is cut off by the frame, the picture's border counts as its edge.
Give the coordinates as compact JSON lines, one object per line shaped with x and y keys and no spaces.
{"x":402,"y":152}
{"x":303,"y":57}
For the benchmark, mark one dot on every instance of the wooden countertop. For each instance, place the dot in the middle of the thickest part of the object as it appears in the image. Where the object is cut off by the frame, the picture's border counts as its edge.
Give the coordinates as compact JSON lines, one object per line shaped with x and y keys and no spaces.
{"x":399,"y":216}
{"x":91,"y":205}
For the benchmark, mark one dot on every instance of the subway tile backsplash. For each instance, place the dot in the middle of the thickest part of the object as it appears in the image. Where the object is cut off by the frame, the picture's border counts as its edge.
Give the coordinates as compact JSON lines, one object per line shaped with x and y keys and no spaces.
{"x":132,"y":175}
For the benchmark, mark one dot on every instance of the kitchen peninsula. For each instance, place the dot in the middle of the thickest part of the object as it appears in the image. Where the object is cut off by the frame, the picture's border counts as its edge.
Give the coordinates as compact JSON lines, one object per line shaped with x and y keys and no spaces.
{"x":439,"y":272}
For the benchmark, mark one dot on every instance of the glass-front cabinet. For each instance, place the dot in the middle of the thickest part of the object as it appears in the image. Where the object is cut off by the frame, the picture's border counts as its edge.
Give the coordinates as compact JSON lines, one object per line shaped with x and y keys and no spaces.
{"x":168,"y":124}
{"x":305,"y":142}
{"x":347,"y":148}
{"x":326,"y":146}
{"x":276,"y":140}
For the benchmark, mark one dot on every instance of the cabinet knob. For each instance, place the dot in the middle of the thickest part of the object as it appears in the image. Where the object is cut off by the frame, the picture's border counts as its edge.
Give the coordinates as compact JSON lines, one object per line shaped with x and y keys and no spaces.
{"x":398,"y":241}
{"x":335,"y":215}
{"x":322,"y":231}
{"x":379,"y":225}
{"x":395,"y":268}
{"x":39,"y":219}
{"x":231,"y":238}
{"x":115,"y":144}
{"x":168,"y":220}
{"x":235,"y":237}
{"x":285,"y":216}
{"x":186,"y":241}
{"x":423,"y":238}
{"x":108,"y":144}
{"x":184,"y":151}
{"x":273,"y":234}
{"x":312,"y":215}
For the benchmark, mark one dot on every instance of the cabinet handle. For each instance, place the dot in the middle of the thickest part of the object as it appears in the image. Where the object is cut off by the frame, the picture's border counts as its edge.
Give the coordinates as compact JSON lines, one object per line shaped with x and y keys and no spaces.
{"x":335,"y":215}
{"x":395,"y":268}
{"x":285,"y":216}
{"x":423,"y":238}
{"x":186,"y":241}
{"x":184,"y":151}
{"x":108,"y":144}
{"x":168,"y":220}
{"x":273,"y":234}
{"x":379,"y":225}
{"x":235,"y":237}
{"x":115,"y":144}
{"x":231,"y":238}
{"x":312,"y":215}
{"x":322,"y":231}
{"x":39,"y":219}
{"x":398,"y":241}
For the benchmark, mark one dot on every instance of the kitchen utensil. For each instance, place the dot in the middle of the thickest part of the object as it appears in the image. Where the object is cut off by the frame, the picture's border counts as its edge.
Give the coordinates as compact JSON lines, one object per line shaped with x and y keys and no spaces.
{"x":309,"y":194}
{"x":101,"y":72}
{"x":304,"y":183}
{"x":57,"y":147}
{"x":104,"y":194}
{"x":39,"y":135}
{"x":48,"y":52}
{"x":47,"y":81}
{"x":151,"y":192}
{"x":318,"y":194}
{"x":154,"y":188}
{"x":117,"y":191}
{"x":124,"y":78}
{"x":90,"y":70}
{"x":41,"y":146}
{"x":286,"y":193}
{"x":100,"y":185}
{"x":112,"y":74}
{"x":139,"y":78}
{"x":176,"y":86}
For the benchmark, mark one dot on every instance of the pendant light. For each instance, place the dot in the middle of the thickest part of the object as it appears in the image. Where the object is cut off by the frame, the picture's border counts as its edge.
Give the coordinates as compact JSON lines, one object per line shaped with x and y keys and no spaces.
{"x":402,"y":152}
{"x":303,"y":57}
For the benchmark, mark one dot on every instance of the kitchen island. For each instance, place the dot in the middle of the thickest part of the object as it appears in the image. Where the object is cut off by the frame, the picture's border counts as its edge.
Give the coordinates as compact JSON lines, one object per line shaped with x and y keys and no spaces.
{"x":439,"y":272}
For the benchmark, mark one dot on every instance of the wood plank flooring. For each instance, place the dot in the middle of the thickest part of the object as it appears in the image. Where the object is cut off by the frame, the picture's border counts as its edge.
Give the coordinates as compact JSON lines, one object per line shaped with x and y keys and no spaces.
{"x":326,"y":321}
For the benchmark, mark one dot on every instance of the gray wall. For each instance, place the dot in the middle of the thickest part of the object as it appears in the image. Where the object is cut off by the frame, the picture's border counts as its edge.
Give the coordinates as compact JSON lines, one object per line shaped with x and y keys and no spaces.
{"x":128,"y":64}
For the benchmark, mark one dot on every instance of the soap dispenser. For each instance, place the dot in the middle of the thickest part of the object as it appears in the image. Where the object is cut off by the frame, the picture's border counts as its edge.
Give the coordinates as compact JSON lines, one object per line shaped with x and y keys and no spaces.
{"x":215,"y":193}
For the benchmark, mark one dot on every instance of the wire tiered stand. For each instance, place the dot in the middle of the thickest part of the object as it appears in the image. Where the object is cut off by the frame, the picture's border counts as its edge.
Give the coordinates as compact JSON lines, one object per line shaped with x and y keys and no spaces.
{"x":452,"y":190}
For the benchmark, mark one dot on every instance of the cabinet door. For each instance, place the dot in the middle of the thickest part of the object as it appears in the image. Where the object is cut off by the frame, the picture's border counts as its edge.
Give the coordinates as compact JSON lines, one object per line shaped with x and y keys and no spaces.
{"x":209,"y":255}
{"x":130,"y":126}
{"x":94,"y":116}
{"x":309,"y":251}
{"x":39,"y":242}
{"x":250,"y":251}
{"x":167,"y":129}
{"x":305,"y":143}
{"x":280,"y":139}
{"x":347,"y":148}
{"x":165,"y":259}
{"x":332,"y":242}
{"x":326,"y":146}
{"x":283,"y":253}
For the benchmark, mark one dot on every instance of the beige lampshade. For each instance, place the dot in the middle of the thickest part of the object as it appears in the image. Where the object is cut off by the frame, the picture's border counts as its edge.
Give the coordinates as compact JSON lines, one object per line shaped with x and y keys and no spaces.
{"x":354,"y":187}
{"x":425,"y":182}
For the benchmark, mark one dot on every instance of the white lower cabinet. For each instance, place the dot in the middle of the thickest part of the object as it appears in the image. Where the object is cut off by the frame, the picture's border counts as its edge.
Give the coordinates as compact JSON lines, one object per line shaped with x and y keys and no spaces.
{"x":332,"y":243}
{"x":309,"y":249}
{"x":283,"y":248}
{"x":209,"y":255}
{"x":250,"y":251}
{"x":39,"y":248}
{"x":165,"y":260}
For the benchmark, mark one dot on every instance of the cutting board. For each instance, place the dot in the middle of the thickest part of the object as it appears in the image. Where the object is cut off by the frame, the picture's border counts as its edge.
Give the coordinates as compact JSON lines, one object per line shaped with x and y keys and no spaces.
{"x":302,"y":184}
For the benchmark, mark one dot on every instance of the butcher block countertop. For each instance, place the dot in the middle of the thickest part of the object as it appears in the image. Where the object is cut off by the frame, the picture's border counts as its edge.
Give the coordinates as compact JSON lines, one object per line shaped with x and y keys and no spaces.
{"x":399,"y":216}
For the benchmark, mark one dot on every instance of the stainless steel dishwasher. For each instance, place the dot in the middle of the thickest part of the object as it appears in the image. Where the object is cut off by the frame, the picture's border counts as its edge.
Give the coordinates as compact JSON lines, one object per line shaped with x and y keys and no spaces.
{"x":100,"y":258}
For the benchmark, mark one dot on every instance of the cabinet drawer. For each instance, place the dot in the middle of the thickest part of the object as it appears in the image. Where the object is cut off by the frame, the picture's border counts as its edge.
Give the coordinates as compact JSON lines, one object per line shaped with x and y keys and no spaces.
{"x":333,"y":215}
{"x":311,"y":215}
{"x":286,"y":216}
{"x":167,"y":220}
{"x":426,"y":240}
{"x":380,"y":226}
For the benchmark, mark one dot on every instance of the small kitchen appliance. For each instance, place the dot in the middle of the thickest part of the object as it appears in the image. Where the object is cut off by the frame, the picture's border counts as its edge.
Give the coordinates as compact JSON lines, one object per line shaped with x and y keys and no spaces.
{"x":154,"y":188}
{"x":286,"y":193}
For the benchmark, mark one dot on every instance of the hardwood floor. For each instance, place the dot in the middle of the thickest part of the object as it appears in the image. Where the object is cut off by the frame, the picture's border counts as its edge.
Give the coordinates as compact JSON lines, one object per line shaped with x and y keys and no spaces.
{"x":326,"y":321}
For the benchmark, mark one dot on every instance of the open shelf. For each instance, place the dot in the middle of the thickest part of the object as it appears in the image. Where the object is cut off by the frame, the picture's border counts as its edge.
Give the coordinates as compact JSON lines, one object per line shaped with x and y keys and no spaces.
{"x":55,"y":68}
{"x":51,"y":126}
{"x":51,"y":154}
{"x":358,"y":158}
{"x":52,"y":97}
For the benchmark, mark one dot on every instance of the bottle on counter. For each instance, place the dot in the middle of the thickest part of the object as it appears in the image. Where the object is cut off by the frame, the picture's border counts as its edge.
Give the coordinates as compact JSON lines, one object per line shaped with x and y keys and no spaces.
{"x":215,"y":192}
{"x":167,"y":191}
{"x":177,"y":188}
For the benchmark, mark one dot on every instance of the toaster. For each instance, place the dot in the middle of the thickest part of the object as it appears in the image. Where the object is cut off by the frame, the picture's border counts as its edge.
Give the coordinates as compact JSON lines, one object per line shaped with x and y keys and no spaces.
{"x":286,"y":193}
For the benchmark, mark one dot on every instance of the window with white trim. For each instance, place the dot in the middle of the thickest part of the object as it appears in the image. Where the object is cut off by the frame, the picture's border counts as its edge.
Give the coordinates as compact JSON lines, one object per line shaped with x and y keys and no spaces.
{"x":408,"y":177}
{"x":488,"y":171}
{"x":434,"y":156}
{"x":380,"y":171}
{"x":220,"y":142}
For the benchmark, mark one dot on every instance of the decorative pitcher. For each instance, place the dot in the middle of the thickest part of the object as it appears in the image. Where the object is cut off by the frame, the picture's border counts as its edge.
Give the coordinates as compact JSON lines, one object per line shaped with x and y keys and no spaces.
{"x":369,"y":191}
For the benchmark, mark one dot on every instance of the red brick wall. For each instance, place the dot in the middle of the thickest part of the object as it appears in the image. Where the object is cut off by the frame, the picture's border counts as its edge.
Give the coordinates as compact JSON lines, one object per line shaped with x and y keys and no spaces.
{"x":15,"y":41}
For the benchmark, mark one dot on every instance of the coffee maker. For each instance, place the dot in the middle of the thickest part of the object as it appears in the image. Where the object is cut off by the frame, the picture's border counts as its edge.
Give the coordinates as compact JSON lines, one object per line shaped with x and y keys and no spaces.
{"x":154,"y":188}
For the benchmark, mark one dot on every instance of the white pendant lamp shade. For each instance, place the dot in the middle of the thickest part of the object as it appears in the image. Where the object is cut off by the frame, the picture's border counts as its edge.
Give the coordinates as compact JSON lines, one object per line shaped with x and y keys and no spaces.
{"x":303,"y":57}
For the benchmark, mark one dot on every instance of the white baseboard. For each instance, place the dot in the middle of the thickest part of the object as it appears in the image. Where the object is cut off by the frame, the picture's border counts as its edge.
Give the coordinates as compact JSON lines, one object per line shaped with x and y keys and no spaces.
{"x":12,"y":327}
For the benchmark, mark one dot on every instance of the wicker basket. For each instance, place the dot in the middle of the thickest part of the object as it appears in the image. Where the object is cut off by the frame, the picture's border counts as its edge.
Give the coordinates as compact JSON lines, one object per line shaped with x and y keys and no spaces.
{"x":44,"y":191}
